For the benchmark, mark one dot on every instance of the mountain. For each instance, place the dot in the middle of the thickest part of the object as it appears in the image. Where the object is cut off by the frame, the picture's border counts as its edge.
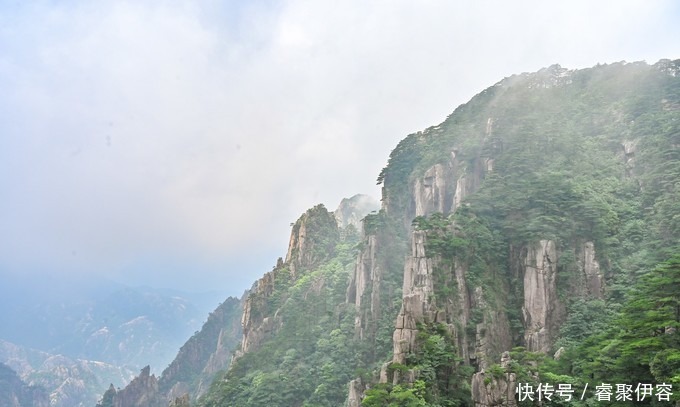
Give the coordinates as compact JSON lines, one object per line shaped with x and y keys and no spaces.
{"x":352,"y":210}
{"x":189,"y":375}
{"x":68,"y":382}
{"x":530,"y":238}
{"x":16,"y":393}
{"x":78,"y":335}
{"x":95,"y":319}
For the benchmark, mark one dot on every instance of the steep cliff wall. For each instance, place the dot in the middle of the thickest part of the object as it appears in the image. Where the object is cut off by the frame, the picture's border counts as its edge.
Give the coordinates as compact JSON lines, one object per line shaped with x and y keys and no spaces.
{"x":312,"y":239}
{"x":141,"y":392}
{"x":495,"y":389}
{"x":442,"y":189}
{"x":306,"y":331}
{"x":542,"y":310}
{"x":189,"y":375}
{"x":526,"y":203}
{"x":520,"y":212}
{"x":204,"y":354}
{"x":416,"y":307}
{"x":255,"y":321}
{"x":350,"y":211}
{"x":364,"y":286}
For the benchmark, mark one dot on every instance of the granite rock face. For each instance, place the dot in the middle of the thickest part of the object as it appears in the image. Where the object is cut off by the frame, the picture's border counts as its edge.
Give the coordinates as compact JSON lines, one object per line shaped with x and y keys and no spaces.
{"x":364,"y":285}
{"x":141,"y":392}
{"x":494,"y":390}
{"x":190,"y":374}
{"x":352,"y":210}
{"x":542,"y":309}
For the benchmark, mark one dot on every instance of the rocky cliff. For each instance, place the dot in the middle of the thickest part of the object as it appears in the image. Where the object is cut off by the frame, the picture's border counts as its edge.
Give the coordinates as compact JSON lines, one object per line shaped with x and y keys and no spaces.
{"x":502,"y":245}
{"x":530,"y":208}
{"x":15,"y":393}
{"x":286,"y":309}
{"x":350,"y":211}
{"x":189,"y":375}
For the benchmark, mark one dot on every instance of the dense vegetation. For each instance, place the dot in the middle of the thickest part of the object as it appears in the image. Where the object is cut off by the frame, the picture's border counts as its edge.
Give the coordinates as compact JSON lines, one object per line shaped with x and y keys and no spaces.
{"x":587,"y":158}
{"x":313,"y":355}
{"x":591,"y":155}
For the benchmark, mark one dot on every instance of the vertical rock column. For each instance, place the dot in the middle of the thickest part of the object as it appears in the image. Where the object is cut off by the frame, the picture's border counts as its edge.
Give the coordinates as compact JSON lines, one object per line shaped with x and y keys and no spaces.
{"x":415,"y":307}
{"x":367,"y":274}
{"x":542,"y":308}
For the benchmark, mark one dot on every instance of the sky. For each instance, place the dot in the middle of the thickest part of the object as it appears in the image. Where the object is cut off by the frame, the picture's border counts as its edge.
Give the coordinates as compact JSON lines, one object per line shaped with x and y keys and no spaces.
{"x":173,"y":143}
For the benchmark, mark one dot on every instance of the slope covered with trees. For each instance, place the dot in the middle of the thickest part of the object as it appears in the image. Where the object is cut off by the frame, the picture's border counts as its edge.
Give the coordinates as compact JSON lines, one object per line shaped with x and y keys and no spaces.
{"x":532,"y":237}
{"x":525,"y":218}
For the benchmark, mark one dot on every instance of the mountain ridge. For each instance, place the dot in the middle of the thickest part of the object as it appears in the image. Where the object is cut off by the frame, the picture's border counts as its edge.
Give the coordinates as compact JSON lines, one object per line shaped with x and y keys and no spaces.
{"x":538,"y":203}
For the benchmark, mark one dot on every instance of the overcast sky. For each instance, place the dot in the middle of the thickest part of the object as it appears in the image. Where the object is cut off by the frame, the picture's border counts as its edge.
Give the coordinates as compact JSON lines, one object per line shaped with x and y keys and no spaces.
{"x":171,"y":144}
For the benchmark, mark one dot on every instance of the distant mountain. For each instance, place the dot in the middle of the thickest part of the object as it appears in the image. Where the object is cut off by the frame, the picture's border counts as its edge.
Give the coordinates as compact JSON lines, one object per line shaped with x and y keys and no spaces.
{"x":352,"y":210}
{"x":16,"y":393}
{"x":190,"y":374}
{"x":95,"y":319}
{"x":75,"y":337}
{"x":528,"y":238}
{"x":208,"y":353}
{"x":68,"y":382}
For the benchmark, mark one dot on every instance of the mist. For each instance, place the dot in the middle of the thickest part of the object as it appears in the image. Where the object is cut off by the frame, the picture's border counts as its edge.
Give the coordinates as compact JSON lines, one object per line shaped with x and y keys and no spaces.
{"x":172,"y":145}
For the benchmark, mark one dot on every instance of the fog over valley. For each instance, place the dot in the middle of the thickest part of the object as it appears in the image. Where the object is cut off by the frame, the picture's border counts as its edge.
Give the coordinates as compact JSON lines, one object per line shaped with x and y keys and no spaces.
{"x":367,"y":204}
{"x":172,"y":145}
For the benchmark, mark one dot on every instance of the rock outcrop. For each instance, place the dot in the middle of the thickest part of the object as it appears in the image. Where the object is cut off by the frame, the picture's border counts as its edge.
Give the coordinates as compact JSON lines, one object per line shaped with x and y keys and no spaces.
{"x":542,"y":309}
{"x":141,"y":392}
{"x":312,"y":239}
{"x":442,"y":188}
{"x":364,"y":285}
{"x":495,"y":389}
{"x":189,"y":375}
{"x":591,"y":273}
{"x":255,"y":324}
{"x":352,"y":210}
{"x":356,"y":390}
{"x":431,"y":192}
{"x":416,"y":307}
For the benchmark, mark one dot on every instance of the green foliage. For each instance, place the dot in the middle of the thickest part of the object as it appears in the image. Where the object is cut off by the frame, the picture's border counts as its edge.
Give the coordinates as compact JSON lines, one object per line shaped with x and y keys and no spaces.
{"x":411,"y":395}
{"x":391,"y":243}
{"x":586,"y":156}
{"x":464,"y":240}
{"x":397,"y":174}
{"x":638,"y":344}
{"x":195,"y":353}
{"x":438,"y":366}
{"x":312,"y":356}
{"x":321,"y":234}
{"x":584,"y":317}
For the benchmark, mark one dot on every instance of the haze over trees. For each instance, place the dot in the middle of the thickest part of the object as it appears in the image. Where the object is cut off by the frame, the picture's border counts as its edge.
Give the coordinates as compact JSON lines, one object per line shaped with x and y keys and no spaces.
{"x":530,"y":238}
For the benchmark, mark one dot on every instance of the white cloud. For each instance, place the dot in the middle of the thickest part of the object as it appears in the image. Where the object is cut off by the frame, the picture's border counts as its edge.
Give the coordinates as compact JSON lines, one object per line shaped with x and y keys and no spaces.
{"x":134,"y":133}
